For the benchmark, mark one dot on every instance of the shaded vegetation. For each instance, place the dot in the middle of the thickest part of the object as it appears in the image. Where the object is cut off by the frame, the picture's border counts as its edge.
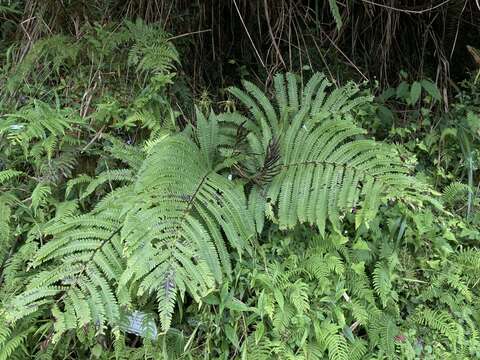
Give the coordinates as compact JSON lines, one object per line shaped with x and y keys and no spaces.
{"x":239,"y":179}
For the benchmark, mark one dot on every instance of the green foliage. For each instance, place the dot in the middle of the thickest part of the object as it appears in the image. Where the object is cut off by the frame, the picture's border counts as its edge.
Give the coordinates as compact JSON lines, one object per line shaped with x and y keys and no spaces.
{"x":175,"y":235}
{"x":325,"y":167}
{"x":336,"y":13}
{"x":279,"y":230}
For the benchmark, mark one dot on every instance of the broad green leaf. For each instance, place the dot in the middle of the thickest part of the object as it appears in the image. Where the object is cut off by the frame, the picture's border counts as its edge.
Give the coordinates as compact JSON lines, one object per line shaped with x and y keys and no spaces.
{"x":432,"y":89}
{"x":415,"y":92}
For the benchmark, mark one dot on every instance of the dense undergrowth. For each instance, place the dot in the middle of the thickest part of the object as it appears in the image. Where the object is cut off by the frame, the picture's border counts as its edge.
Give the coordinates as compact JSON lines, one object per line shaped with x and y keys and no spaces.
{"x":310,"y":221}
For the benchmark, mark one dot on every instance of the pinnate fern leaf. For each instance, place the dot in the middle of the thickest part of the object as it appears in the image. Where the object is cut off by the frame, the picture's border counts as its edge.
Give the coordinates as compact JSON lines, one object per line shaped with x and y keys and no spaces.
{"x":173,"y":233}
{"x":8,"y":174}
{"x":441,"y":321}
{"x":326,"y":166}
{"x":86,"y":257}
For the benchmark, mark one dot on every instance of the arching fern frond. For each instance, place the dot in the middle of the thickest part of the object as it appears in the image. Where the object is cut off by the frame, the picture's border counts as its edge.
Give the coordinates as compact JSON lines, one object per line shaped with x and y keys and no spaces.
{"x":131,"y":155}
{"x":382,"y":331}
{"x":173,"y":232}
{"x":39,"y":121}
{"x":80,"y":267}
{"x":382,"y":283}
{"x":469,"y":262}
{"x":455,"y":192}
{"x":326,"y":166}
{"x":40,"y":194}
{"x":151,"y":51}
{"x":8,"y":174}
{"x":440,"y":321}
{"x":332,"y":341}
{"x":12,"y":344}
{"x":160,"y":236}
{"x":108,"y":176}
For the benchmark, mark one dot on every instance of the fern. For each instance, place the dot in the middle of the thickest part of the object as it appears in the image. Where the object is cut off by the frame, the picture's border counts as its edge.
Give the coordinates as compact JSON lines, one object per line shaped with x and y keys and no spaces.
{"x":456,"y":193}
{"x":357,"y":350}
{"x":169,"y":227}
{"x":174,"y":217}
{"x":109,"y":176}
{"x":334,"y":343}
{"x":150,"y":51}
{"x":39,"y":195}
{"x":360,"y":313}
{"x":469,"y":262}
{"x":382,"y":331}
{"x":440,"y":321}
{"x":87,"y":264}
{"x":325,"y":168}
{"x":9,"y":174}
{"x":172,"y":231}
{"x":12,"y":345}
{"x":140,"y":324}
{"x":39,"y":121}
{"x":130,"y":155}
{"x":5,"y":232}
{"x":382,"y":283}
{"x":299,"y":296}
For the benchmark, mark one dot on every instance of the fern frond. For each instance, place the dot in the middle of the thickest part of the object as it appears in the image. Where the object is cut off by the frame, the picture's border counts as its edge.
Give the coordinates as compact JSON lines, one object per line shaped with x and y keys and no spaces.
{"x":81,"y":179}
{"x":86,"y":252}
{"x":382,"y":330}
{"x":39,"y":121}
{"x":332,"y":341}
{"x":5,"y":232}
{"x":326,"y":168}
{"x":299,"y":296}
{"x":382,"y":283}
{"x":150,"y":51}
{"x":8,"y":174}
{"x":11,"y":343}
{"x":39,"y":195}
{"x":357,"y":350}
{"x":359,"y":312}
{"x":139,"y":323}
{"x":320,"y":266}
{"x":469,"y":262}
{"x":455,"y":192}
{"x":441,"y":321}
{"x":131,"y":155}
{"x":108,"y":176}
{"x":261,"y":350}
{"x":172,"y":233}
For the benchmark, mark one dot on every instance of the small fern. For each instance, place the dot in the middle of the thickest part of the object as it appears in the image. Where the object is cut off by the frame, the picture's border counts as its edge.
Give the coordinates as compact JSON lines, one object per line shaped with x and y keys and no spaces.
{"x":440,"y":321}
{"x":6,"y":175}
{"x":382,"y":283}
{"x":382,"y":330}
{"x":39,"y":195}
{"x":39,"y":122}
{"x":12,"y":345}
{"x":151,"y":51}
{"x":332,"y":341}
